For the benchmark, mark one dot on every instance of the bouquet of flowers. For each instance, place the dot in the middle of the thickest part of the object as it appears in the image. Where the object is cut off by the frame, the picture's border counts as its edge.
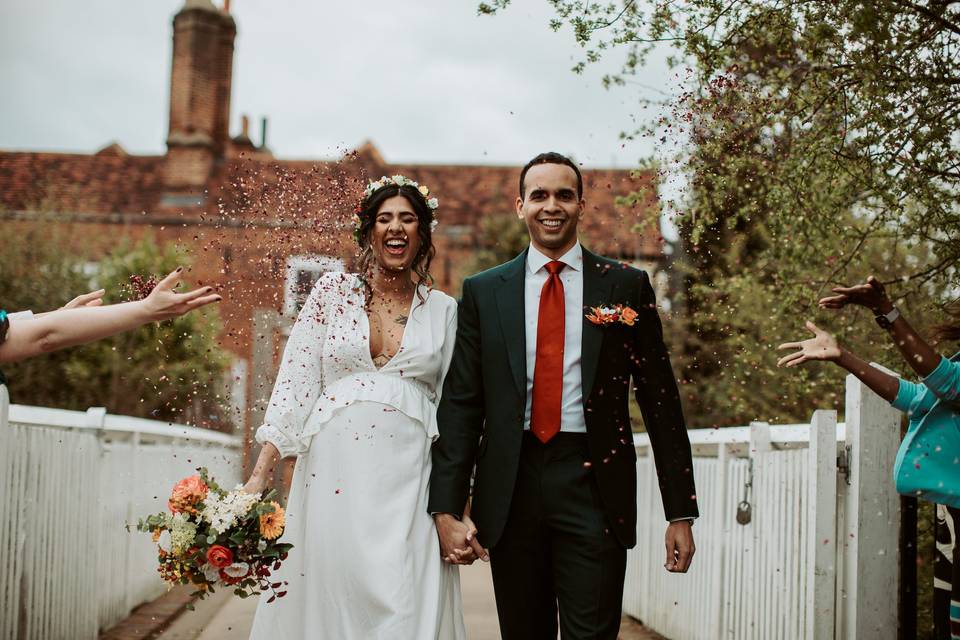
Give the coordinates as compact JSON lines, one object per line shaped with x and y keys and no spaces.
{"x":212,"y":537}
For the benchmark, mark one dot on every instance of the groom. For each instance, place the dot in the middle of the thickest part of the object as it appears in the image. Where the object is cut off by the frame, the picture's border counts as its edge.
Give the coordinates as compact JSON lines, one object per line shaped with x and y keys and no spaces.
{"x":536,"y":399}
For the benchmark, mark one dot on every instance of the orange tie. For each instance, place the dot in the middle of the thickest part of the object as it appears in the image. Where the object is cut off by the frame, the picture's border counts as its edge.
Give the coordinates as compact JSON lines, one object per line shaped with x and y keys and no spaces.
{"x":548,"y":371}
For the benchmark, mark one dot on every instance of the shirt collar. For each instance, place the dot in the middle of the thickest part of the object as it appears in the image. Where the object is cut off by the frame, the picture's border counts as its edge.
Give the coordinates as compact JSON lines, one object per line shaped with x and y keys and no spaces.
{"x":572,"y":258}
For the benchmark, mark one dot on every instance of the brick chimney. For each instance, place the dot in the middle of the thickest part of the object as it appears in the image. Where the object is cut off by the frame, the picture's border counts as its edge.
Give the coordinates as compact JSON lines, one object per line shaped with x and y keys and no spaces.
{"x":200,"y":78}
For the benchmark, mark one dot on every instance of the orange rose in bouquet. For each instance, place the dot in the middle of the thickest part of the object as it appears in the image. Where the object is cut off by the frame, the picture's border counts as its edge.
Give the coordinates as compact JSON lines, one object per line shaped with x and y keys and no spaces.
{"x":187,"y":494}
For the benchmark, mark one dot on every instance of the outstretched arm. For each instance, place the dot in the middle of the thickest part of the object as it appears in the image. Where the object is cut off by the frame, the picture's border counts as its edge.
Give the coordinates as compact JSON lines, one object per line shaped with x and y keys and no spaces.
{"x":69,"y":327}
{"x":921,"y":357}
{"x":823,"y":346}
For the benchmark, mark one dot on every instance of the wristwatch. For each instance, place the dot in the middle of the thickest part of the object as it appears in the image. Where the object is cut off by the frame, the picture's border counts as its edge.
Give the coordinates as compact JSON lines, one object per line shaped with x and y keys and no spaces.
{"x":886,"y":320}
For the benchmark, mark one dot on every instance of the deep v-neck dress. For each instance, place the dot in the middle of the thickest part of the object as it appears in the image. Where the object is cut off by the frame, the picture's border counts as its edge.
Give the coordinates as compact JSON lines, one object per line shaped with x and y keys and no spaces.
{"x":366,"y":560}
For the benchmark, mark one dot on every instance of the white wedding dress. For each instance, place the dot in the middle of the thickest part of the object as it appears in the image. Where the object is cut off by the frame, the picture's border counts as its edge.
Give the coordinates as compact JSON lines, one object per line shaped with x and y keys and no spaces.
{"x":366,"y":560}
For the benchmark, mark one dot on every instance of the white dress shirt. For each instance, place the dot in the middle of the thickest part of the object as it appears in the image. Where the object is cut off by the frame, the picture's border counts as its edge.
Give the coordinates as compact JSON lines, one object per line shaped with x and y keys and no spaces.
{"x":571,"y":406}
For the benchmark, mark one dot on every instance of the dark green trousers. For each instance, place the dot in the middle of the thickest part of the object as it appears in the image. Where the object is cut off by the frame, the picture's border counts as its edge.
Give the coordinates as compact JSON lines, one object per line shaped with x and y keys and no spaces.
{"x":557,"y":550}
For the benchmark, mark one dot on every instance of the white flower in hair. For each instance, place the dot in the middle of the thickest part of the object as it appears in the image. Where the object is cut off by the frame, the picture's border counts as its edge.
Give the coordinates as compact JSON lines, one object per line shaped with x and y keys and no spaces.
{"x":433,"y":225}
{"x":399,"y":180}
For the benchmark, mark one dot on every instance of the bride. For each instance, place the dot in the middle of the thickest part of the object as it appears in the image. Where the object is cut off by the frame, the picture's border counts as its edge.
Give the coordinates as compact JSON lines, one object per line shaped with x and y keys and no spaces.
{"x":355,"y":400}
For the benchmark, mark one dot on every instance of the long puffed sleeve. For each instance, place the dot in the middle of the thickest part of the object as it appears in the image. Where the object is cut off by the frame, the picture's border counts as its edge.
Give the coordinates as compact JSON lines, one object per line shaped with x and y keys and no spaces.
{"x":300,"y":379}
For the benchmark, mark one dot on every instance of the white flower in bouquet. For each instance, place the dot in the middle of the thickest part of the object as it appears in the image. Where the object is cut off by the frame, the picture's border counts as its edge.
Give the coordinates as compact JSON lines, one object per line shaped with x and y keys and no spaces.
{"x":222,"y":513}
{"x":210,"y":573}
{"x":237,"y":570}
{"x":182,"y":533}
{"x":164,"y":541}
{"x":399,"y":180}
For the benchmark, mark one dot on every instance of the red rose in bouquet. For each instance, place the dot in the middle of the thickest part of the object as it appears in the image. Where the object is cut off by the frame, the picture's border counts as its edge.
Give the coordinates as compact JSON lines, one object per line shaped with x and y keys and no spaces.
{"x":219,"y":556}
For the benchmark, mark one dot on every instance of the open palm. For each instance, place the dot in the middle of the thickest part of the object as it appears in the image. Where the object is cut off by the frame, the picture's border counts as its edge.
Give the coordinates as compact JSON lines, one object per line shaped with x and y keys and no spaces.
{"x":822,"y":346}
{"x":164,"y":303}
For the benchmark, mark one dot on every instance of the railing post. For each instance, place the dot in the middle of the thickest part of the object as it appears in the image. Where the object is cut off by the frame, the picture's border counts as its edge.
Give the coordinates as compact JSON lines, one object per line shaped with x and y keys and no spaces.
{"x":95,"y":418}
{"x":756,"y":607}
{"x":10,"y":525}
{"x":131,"y":516}
{"x":821,"y":517}
{"x":4,"y":407}
{"x":870,"y":539}
{"x":719,"y":534}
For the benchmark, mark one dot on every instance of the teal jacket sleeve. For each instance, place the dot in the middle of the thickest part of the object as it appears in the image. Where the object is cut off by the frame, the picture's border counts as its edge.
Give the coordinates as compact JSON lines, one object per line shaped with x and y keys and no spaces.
{"x":944,"y":381}
{"x":913,"y":399}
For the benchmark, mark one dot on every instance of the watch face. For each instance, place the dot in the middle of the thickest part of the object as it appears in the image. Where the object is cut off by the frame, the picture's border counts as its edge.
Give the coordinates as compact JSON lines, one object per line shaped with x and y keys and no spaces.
{"x":884,"y":321}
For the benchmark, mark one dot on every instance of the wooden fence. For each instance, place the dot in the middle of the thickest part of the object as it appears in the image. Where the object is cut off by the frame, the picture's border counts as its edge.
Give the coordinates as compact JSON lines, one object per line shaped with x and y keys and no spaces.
{"x":818,"y":557}
{"x":69,"y":482}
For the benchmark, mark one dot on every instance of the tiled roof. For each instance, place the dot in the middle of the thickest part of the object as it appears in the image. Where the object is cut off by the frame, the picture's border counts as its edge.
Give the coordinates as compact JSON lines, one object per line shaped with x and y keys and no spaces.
{"x":114,"y":182}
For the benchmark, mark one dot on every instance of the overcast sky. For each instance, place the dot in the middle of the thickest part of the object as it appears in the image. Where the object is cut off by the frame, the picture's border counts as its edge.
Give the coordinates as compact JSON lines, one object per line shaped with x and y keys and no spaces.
{"x":426,"y":80}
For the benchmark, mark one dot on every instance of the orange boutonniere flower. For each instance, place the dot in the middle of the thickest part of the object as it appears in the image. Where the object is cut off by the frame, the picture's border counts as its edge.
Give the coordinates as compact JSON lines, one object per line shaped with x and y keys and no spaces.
{"x":609,"y":315}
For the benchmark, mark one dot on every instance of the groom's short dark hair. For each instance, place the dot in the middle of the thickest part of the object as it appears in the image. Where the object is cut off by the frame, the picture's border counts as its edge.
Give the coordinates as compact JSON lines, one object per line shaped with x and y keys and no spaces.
{"x":552,"y":157}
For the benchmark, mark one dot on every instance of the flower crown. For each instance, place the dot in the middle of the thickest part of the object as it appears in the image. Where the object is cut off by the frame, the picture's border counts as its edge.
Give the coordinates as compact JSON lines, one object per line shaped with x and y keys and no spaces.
{"x":401,"y":181}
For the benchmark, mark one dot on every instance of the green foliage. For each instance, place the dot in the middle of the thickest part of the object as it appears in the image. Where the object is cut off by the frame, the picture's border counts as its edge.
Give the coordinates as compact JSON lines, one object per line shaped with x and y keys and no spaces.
{"x":170,"y":370}
{"x":501,"y":238}
{"x":824,"y":148}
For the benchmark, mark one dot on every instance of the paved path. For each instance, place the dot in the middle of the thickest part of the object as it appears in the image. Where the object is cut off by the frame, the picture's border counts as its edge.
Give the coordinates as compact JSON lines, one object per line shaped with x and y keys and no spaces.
{"x":230,"y":618}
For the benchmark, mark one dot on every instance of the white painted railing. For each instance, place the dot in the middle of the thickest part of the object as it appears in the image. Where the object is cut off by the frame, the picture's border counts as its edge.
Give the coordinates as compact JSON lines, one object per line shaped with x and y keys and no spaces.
{"x":819,"y":557}
{"x":69,"y":482}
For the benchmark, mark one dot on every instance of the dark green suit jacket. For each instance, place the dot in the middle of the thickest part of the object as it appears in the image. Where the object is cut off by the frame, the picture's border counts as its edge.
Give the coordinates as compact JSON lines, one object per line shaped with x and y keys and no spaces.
{"x":484,"y":397}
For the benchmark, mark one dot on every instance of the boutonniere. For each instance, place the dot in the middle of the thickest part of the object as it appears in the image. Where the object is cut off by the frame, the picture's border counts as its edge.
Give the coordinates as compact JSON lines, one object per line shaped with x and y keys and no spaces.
{"x":610,"y":315}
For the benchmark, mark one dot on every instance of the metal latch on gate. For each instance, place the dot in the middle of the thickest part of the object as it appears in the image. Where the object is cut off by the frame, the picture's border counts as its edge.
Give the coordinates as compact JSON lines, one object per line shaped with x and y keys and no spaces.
{"x":843,"y":463}
{"x":745,"y":509}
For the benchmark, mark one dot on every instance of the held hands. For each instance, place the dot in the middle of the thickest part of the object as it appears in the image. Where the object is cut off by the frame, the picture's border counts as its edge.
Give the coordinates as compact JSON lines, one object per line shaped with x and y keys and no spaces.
{"x":458,"y":540}
{"x":164,"y":303}
{"x":871,"y":295}
{"x":822,"y":346}
{"x":680,"y":547}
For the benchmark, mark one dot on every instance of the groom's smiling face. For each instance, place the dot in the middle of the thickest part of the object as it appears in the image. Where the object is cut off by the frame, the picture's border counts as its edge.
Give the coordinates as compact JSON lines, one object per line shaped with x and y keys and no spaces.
{"x":551,"y":208}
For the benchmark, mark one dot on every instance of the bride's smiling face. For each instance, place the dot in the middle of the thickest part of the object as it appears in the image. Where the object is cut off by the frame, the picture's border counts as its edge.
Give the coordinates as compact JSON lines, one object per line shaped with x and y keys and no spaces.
{"x":394,"y":238}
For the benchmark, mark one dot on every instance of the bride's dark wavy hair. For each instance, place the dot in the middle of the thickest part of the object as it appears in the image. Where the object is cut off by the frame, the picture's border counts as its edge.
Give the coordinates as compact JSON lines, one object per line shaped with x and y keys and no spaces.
{"x":368,"y":218}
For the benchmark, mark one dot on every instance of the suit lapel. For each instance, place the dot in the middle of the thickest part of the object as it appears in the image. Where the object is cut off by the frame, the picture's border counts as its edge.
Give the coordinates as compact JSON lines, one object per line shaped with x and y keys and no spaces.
{"x":510,"y":305}
{"x":596,"y":292}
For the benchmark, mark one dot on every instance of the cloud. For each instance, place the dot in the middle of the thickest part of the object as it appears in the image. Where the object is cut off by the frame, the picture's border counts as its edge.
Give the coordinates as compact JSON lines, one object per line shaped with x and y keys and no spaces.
{"x":426,"y":81}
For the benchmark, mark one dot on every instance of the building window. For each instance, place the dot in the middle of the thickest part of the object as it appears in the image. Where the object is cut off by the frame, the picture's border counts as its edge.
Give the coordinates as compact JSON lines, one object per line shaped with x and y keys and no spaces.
{"x":302,"y":273}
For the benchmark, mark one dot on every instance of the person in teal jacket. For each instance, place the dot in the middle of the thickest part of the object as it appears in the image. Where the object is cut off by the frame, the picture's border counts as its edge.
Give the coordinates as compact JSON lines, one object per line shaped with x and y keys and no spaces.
{"x":928,"y":462}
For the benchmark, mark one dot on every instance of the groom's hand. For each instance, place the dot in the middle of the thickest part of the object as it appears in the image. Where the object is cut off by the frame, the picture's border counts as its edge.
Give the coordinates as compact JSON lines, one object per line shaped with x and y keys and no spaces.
{"x":680,"y":547}
{"x":454,"y":538}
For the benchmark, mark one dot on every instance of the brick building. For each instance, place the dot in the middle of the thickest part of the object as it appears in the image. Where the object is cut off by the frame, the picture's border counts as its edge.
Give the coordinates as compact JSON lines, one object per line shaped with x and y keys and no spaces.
{"x":261,"y":228}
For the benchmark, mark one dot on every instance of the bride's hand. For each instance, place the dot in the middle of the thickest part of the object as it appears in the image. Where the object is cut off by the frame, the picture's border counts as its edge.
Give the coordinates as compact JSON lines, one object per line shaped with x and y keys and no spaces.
{"x":256,"y":484}
{"x":475,"y":545}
